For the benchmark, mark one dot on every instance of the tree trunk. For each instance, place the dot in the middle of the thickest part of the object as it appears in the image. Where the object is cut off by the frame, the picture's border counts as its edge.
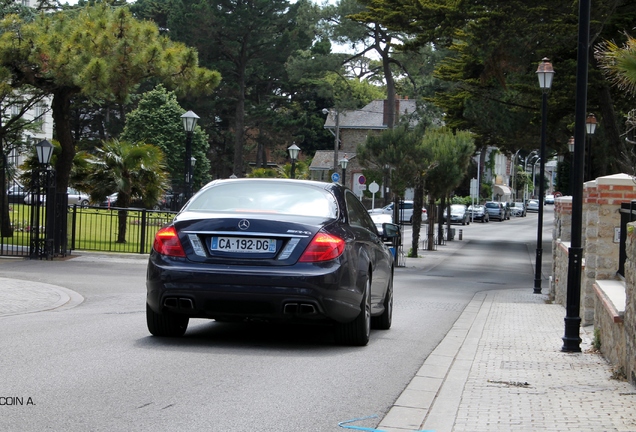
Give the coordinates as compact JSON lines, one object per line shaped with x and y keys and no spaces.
{"x":440,"y":220}
{"x":239,"y":123}
{"x":431,"y":224}
{"x":61,"y":110}
{"x":123,"y":200}
{"x":417,"y":215}
{"x":5,"y":219}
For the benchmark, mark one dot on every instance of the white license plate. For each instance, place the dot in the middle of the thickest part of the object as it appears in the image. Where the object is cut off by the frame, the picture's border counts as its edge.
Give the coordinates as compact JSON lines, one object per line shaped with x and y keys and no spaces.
{"x":243,"y":244}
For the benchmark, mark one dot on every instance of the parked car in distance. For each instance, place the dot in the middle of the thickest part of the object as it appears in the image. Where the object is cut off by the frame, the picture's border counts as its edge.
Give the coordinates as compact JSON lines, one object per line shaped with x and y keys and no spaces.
{"x":495,"y":210}
{"x":16,"y":194}
{"x":164,"y":202}
{"x":458,"y":214}
{"x":478,"y":213}
{"x":75,"y":197}
{"x":380,"y":219}
{"x":406,"y":211}
{"x":549,"y":199}
{"x":518,"y":209}
{"x":272,"y":249}
{"x":533,"y":206}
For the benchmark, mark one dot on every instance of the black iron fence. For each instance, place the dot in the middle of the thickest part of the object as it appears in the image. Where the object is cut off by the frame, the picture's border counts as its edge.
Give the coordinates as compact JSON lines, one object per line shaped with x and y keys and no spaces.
{"x":115,"y":229}
{"x":88,"y":228}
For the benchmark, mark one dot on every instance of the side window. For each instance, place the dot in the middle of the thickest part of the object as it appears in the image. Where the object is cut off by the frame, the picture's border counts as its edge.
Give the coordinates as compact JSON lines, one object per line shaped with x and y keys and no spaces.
{"x":358,"y":215}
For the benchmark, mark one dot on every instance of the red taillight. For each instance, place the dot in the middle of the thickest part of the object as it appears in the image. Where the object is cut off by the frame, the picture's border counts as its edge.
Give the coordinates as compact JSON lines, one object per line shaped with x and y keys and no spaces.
{"x":167,"y":243}
{"x":323,"y":247}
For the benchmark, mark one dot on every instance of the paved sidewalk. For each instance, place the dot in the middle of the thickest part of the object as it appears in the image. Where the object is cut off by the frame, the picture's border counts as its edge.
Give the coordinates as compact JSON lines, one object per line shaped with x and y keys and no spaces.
{"x":501,"y":368}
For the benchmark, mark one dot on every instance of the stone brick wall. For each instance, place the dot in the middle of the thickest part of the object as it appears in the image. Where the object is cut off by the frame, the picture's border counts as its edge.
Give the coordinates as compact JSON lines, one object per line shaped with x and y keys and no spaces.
{"x":629,"y":317}
{"x":602,"y":200}
{"x":607,"y":301}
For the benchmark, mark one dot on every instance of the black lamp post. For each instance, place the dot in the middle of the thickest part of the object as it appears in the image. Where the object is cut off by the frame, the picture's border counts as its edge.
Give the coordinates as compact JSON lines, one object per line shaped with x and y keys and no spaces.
{"x":572,"y":339}
{"x":336,"y":144}
{"x":41,"y":184}
{"x":189,"y":122}
{"x":545,"y":74}
{"x":343,"y":164}
{"x":293,"y":155}
{"x":590,"y":127}
{"x":571,"y":149}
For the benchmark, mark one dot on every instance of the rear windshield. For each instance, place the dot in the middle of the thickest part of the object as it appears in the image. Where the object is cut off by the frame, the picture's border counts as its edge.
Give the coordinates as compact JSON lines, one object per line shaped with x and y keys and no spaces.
{"x":492,"y":205}
{"x":266,"y":197}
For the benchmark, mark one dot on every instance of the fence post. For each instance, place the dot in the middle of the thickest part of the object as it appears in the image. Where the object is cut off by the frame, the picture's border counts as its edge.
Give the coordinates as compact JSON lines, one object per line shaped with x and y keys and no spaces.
{"x":74,"y":219}
{"x":142,"y":246}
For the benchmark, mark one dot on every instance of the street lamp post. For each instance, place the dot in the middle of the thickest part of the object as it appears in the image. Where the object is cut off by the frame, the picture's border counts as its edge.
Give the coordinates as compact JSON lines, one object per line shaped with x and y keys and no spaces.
{"x":545,"y":74}
{"x":343,"y":164}
{"x":571,"y":149}
{"x":513,"y":170}
{"x":193,"y":162}
{"x":590,"y":127}
{"x":189,"y":122}
{"x":336,"y":144}
{"x":293,"y":155}
{"x":532,"y":154}
{"x":572,"y":339}
{"x":41,"y":184}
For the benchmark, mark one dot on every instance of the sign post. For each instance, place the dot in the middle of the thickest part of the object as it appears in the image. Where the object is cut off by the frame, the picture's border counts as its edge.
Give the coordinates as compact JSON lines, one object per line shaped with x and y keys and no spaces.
{"x":373,"y":188}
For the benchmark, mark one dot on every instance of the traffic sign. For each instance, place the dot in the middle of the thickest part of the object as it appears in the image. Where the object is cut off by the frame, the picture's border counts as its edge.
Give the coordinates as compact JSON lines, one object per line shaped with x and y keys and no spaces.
{"x":362,"y":180}
{"x":335,"y":177}
{"x":374,"y":187}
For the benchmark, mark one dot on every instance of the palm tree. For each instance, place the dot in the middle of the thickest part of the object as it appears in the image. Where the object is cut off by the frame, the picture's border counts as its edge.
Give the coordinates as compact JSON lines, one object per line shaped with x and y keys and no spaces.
{"x":132,"y":170}
{"x":619,"y":63}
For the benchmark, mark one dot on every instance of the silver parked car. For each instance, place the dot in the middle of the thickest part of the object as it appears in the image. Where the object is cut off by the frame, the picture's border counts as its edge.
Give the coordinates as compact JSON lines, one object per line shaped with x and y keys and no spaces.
{"x":478,"y":213}
{"x":518,"y":209}
{"x":496,"y":210}
{"x":75,"y":197}
{"x":406,"y":211}
{"x":533,"y":206}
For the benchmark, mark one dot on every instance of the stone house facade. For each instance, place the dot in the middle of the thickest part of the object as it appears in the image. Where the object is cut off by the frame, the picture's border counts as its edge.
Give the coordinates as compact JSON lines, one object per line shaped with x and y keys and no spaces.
{"x":352,"y":128}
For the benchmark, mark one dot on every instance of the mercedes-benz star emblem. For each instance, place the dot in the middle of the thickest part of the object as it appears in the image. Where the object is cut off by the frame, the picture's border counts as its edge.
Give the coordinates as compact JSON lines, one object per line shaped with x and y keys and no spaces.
{"x":244,"y":224}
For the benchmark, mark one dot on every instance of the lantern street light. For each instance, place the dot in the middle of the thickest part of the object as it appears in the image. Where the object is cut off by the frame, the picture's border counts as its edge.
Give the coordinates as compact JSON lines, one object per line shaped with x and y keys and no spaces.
{"x":189,"y":122}
{"x":43,"y":188}
{"x":545,"y":73}
{"x":590,"y":127}
{"x":293,"y":155}
{"x":44,"y":150}
{"x":343,"y":164}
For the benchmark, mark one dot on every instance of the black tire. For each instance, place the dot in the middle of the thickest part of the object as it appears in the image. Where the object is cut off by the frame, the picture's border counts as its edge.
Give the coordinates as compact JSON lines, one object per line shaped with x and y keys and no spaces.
{"x":357,"y":332}
{"x":84,"y":203}
{"x":166,"y":324}
{"x":383,"y":322}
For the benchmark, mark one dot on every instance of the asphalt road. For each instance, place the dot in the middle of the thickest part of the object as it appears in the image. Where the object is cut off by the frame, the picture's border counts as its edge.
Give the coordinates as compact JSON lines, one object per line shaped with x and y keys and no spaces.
{"x":95,"y":366}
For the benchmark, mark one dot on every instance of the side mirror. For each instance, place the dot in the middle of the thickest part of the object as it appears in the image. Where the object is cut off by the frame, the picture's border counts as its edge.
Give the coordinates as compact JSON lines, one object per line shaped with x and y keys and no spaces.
{"x":390,"y":230}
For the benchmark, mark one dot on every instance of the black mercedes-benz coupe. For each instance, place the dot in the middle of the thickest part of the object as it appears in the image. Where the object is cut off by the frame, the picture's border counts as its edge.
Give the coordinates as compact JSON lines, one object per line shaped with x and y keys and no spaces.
{"x":272,"y":249}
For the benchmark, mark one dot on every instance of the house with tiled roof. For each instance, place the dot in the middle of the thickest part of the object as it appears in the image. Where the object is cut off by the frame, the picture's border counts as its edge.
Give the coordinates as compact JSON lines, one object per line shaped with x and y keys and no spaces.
{"x":351,"y":128}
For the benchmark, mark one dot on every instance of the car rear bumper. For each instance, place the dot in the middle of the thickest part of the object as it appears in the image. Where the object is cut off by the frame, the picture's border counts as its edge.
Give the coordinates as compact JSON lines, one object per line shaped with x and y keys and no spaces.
{"x":319,"y":293}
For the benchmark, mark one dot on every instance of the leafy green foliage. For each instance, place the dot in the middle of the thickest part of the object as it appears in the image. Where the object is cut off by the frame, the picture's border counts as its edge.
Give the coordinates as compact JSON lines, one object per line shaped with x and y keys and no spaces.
{"x":100,"y":52}
{"x":130,"y":170}
{"x":157,"y":121}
